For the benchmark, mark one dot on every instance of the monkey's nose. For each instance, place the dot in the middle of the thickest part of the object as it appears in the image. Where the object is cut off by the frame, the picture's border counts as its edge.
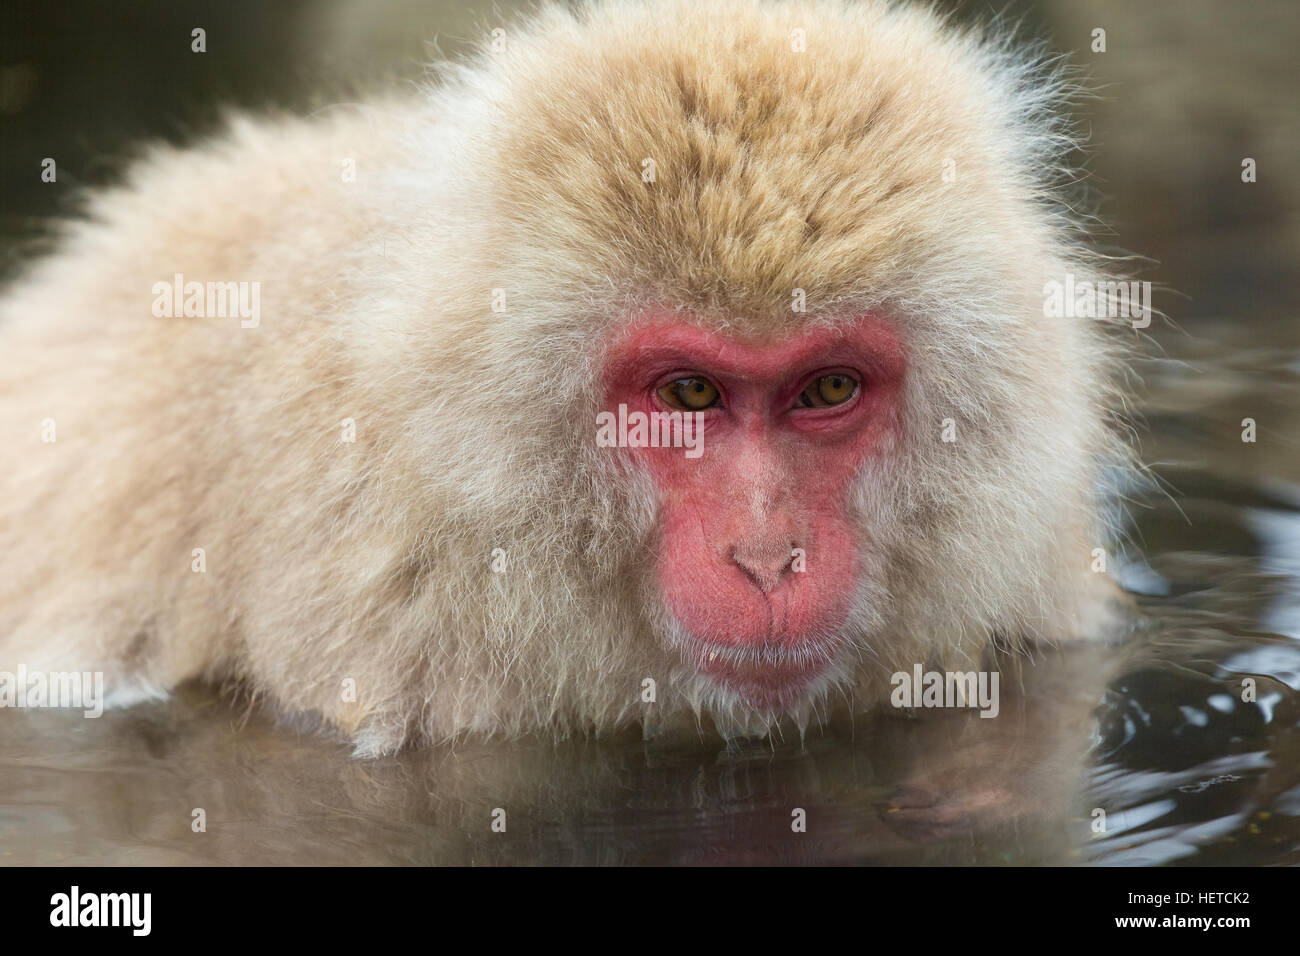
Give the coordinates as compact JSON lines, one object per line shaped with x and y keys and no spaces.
{"x":763,"y":565}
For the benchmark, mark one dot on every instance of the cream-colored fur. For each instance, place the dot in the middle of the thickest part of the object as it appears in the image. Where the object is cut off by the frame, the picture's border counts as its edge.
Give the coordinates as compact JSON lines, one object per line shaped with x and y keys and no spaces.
{"x":372,"y":561}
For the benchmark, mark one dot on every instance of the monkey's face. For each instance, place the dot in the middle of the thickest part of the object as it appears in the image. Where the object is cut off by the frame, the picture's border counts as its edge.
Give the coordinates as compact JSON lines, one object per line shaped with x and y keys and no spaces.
{"x":759,"y":555}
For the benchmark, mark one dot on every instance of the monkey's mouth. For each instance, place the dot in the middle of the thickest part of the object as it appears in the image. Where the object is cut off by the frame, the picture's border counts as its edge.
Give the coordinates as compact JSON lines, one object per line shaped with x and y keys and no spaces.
{"x":770,"y":675}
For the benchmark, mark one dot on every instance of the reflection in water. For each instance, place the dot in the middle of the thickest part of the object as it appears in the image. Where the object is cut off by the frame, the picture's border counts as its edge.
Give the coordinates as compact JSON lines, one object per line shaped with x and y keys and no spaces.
{"x":1154,"y":733}
{"x":940,"y":789}
{"x":1185,"y":769}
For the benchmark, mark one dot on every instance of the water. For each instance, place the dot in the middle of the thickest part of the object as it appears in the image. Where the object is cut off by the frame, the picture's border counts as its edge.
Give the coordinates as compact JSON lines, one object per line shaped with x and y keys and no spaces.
{"x":1152,"y":732}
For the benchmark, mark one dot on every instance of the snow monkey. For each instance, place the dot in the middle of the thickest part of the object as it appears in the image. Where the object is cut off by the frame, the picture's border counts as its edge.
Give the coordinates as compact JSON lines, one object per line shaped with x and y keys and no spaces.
{"x":349,"y":411}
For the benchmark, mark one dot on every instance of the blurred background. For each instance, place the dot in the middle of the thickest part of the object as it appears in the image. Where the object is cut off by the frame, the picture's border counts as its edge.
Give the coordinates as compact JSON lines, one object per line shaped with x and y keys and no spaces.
{"x":1184,"y":92}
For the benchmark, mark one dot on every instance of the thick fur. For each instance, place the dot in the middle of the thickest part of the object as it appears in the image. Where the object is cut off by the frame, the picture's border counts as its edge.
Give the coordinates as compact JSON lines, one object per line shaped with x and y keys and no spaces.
{"x":521,"y":171}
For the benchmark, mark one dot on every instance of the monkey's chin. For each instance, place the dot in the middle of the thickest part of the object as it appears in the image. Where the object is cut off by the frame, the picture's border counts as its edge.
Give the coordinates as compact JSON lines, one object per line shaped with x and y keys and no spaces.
{"x":769,"y":678}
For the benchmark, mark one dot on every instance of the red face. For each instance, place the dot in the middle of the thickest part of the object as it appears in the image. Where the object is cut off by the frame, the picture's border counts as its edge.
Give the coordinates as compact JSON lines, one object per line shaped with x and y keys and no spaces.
{"x":759,"y":558}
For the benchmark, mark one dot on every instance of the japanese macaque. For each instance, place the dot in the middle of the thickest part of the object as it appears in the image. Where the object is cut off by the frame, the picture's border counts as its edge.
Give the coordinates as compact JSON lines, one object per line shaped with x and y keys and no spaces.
{"x":321,"y":409}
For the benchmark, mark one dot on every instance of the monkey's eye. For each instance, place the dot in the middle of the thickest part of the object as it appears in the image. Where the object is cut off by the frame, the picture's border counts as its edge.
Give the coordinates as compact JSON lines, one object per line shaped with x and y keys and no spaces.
{"x":834,"y":389}
{"x":690,"y":394}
